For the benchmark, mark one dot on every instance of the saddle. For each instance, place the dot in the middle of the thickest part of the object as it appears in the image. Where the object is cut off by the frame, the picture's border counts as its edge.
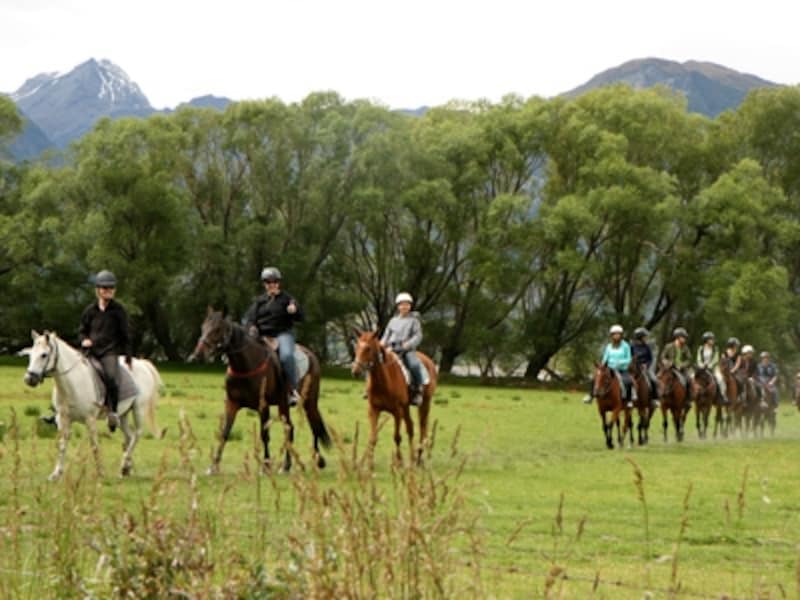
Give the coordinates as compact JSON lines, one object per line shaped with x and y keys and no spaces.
{"x":127,"y":386}
{"x":300,"y":357}
{"x":426,"y":377}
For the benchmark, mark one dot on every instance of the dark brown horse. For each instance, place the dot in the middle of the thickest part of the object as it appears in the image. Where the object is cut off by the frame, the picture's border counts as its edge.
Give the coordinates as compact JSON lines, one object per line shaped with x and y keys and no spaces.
{"x":255,"y":380}
{"x":731,"y":395}
{"x":387,"y":391}
{"x":642,"y":403}
{"x":704,"y":390}
{"x":673,"y":400}
{"x":608,"y":392}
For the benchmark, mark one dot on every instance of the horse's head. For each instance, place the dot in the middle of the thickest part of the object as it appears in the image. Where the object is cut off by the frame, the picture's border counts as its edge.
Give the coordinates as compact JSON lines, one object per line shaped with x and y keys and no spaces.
{"x":215,"y":334}
{"x":603,"y":376}
{"x":368,"y":352}
{"x":42,"y":357}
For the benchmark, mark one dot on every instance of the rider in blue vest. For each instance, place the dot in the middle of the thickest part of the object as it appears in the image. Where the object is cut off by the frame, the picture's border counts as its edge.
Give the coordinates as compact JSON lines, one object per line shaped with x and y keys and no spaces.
{"x":617,"y":356}
{"x":767,"y":376}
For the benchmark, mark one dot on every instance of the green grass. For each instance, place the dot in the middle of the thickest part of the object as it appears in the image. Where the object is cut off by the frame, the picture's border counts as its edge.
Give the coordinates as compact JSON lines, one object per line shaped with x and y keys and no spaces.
{"x":558,"y":515}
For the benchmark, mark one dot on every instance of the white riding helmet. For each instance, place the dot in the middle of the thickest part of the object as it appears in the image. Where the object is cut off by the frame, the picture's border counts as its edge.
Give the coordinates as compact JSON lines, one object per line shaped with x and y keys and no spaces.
{"x":615,"y":329}
{"x":403,"y":297}
{"x":747,"y":348}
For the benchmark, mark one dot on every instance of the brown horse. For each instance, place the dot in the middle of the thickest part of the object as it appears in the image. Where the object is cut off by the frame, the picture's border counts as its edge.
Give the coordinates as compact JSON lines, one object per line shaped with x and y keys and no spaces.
{"x":731,"y":395}
{"x":673,"y":399}
{"x":255,"y":380}
{"x":704,"y":390}
{"x":642,"y":403}
{"x":387,"y":391}
{"x":608,"y":391}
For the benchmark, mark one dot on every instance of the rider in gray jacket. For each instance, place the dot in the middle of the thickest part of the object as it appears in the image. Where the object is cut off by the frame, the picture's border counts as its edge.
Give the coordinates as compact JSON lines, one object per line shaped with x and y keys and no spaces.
{"x":403,"y":335}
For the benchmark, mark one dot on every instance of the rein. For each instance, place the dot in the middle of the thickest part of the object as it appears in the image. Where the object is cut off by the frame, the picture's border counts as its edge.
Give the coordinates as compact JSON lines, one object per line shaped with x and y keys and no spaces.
{"x":245,"y":374}
{"x":52,"y":371}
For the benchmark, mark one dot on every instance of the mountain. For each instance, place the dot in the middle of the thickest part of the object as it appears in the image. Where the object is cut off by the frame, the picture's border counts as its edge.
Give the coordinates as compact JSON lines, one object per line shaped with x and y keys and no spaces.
{"x":709,"y":88}
{"x":67,"y":106}
{"x":31,"y":142}
{"x":208,"y":101}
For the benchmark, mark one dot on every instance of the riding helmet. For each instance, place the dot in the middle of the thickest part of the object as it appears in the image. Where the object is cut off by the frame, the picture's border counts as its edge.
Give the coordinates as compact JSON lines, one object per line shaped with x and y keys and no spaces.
{"x":615,"y":329}
{"x":747,"y":348}
{"x":680,"y":332}
{"x":733,"y":342}
{"x":640,"y":332}
{"x":271,"y":273}
{"x":105,"y":279}
{"x":708,"y":335}
{"x":403,"y":297}
{"x":764,"y":354}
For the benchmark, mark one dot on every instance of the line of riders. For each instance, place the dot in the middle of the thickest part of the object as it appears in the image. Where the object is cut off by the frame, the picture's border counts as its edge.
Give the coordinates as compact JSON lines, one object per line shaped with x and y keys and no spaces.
{"x":618,"y":355}
{"x":104,"y":335}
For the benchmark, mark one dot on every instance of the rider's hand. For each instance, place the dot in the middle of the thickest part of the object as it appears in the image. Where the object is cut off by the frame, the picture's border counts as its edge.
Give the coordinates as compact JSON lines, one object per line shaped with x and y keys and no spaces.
{"x":86,"y":343}
{"x":292,"y":308}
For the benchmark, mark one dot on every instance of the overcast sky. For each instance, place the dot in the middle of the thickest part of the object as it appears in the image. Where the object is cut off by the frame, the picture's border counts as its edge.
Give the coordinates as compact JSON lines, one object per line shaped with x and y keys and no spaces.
{"x":404,"y":54}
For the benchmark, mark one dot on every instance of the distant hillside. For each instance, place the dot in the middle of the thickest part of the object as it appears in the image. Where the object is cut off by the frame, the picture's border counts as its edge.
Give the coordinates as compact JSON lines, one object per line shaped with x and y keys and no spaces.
{"x":209,"y":101}
{"x":709,"y":88}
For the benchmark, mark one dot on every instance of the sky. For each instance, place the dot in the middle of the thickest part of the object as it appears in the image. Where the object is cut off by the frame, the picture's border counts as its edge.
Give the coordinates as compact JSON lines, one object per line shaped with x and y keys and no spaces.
{"x":401,"y":54}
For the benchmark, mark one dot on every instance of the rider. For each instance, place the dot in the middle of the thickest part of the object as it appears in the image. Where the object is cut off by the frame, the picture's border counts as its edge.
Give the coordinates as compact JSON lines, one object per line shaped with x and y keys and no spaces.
{"x":272,"y":315}
{"x":104,"y":334}
{"x":675,"y":355}
{"x":617,"y":356}
{"x":643,"y":359}
{"x":767,"y":376}
{"x":403,"y":335}
{"x":708,"y":359}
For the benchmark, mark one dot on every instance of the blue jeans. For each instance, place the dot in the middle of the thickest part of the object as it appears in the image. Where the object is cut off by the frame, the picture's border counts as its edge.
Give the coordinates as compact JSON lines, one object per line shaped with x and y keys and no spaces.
{"x":414,"y":367}
{"x":286,"y":354}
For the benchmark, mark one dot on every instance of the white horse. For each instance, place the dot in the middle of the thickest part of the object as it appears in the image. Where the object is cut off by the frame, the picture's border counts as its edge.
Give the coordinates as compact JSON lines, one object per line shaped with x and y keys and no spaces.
{"x":77,"y":396}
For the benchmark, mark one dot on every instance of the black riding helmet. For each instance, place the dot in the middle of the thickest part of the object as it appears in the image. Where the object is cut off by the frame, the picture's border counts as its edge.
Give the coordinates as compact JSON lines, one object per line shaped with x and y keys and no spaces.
{"x":680,"y":332}
{"x":639,"y":333}
{"x":733,"y":342}
{"x":708,"y":335}
{"x":270,"y":274}
{"x":105,"y":279}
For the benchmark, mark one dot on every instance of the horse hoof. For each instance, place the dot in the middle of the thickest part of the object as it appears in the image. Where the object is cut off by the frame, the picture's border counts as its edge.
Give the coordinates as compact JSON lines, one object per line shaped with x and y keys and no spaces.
{"x":125,"y":471}
{"x":321,"y":462}
{"x":54,"y":476}
{"x":212,"y":470}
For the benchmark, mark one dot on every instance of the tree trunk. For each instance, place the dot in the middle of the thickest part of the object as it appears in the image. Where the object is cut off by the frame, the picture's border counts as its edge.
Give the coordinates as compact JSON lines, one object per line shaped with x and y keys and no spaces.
{"x":449,"y":355}
{"x":160,"y":324}
{"x":537,"y":362}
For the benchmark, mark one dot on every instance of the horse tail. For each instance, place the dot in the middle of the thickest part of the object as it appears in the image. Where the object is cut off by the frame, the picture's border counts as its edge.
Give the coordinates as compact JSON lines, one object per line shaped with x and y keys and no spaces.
{"x":149,"y":402}
{"x":311,"y":401}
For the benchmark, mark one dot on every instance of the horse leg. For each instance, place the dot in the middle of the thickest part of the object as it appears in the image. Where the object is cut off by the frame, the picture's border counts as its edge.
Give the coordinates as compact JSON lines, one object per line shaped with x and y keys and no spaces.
{"x":424,"y":411}
{"x":131,"y":439}
{"x":231,"y":408}
{"x":264,"y":423}
{"x":410,"y":433}
{"x":397,"y":437}
{"x":664,"y":421}
{"x":372,"y":415}
{"x":286,"y":420}
{"x":677,"y":420}
{"x":64,"y":430}
{"x":91,"y":425}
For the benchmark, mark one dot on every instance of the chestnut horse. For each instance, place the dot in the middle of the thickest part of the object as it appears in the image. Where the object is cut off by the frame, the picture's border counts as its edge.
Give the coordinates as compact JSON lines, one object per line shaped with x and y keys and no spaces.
{"x":673,"y":399}
{"x":608,"y":392}
{"x":704,"y":390}
{"x":387,"y":391}
{"x":255,"y":380}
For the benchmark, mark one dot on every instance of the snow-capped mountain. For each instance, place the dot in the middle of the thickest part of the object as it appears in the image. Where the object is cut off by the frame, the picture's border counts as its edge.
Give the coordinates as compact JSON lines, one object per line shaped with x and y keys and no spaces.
{"x":65,"y":106}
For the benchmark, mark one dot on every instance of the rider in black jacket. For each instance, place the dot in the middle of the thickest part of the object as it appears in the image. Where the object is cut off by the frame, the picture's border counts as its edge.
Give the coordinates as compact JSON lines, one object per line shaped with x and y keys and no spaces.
{"x":104,"y":334}
{"x":273,"y":314}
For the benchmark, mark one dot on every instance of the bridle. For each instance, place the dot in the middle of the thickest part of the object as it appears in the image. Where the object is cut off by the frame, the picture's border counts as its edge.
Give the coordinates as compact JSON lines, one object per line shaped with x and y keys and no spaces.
{"x":51,"y":371}
{"x":379,"y":359}
{"x":610,"y":378}
{"x":224,"y":345}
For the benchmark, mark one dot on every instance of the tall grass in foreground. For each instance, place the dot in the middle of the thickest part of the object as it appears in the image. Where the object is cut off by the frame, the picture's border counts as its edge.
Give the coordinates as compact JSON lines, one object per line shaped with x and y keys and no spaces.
{"x":411,"y":537}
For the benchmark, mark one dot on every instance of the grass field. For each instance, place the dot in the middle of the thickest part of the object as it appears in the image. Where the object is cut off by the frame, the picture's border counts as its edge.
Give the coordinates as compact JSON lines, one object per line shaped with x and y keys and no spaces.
{"x":519,"y":492}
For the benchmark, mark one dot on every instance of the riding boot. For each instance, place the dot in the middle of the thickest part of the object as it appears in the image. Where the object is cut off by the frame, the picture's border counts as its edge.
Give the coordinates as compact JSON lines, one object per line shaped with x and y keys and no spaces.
{"x":113,"y":401}
{"x":415,"y":394}
{"x":630,"y":395}
{"x":294,"y":396}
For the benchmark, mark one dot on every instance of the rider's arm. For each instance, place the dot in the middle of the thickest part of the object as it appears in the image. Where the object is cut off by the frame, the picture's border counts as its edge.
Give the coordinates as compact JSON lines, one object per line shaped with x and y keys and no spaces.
{"x":415,"y":335}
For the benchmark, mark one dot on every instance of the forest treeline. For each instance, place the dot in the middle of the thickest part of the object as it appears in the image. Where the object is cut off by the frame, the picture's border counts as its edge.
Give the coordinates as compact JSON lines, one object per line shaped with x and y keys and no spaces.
{"x":523,"y":228}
